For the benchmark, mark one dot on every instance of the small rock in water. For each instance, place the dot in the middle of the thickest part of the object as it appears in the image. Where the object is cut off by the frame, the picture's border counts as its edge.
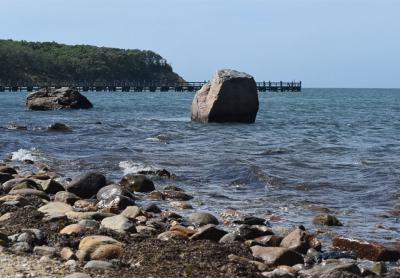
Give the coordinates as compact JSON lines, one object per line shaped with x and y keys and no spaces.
{"x":181,"y":205}
{"x":364,"y":249}
{"x":59,"y":127}
{"x":176,"y":195}
{"x":152,"y":208}
{"x":326,"y":220}
{"x":137,"y":183}
{"x":203,"y":218}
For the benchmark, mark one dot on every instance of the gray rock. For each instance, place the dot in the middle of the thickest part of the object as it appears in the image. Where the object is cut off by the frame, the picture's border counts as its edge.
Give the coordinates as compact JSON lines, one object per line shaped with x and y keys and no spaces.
{"x":230,"y":237}
{"x":100,"y":265}
{"x":4,"y":177}
{"x":55,"y":210}
{"x":87,"y":185}
{"x":132,"y":212}
{"x":30,"y":192}
{"x":203,"y":218}
{"x":118,"y":223}
{"x":152,"y":208}
{"x":50,"y":99}
{"x":27,"y":183}
{"x":331,"y":270}
{"x":50,"y":186}
{"x":231,"y":96}
{"x":297,"y":241}
{"x":66,"y":197}
{"x":44,"y":251}
{"x":137,"y":183}
{"x":251,"y":232}
{"x":209,"y":232}
{"x":59,"y":127}
{"x":277,"y":255}
{"x":326,"y":220}
{"x":78,"y":275}
{"x":21,"y":247}
{"x":176,"y":195}
{"x":114,"y":196}
{"x":8,"y":170}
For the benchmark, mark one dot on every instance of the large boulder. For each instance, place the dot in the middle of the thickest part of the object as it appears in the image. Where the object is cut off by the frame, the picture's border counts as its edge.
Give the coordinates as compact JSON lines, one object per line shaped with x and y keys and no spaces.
{"x":231,"y":96}
{"x":87,"y":185}
{"x":56,"y":99}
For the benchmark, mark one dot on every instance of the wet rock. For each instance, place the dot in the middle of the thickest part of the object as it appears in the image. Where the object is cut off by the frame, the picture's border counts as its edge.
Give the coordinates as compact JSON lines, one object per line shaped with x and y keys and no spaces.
{"x":56,"y":99}
{"x":181,"y":205}
{"x":87,"y":185}
{"x":7,"y":170}
{"x":55,"y":210}
{"x":338,"y":255}
{"x":230,"y":237}
{"x":44,"y":251}
{"x":277,"y":255}
{"x":4,"y":177}
{"x":173,"y":188}
{"x":137,"y":183}
{"x":66,"y":197}
{"x":170,"y":215}
{"x":155,"y":195}
{"x":270,"y":240}
{"x":299,"y":241}
{"x":203,"y":218}
{"x":118,"y":223}
{"x":67,"y":254}
{"x":152,"y":208}
{"x":367,"y":250}
{"x":231,"y":96}
{"x":59,"y":127}
{"x":72,"y":229}
{"x":326,"y":220}
{"x":208,"y":232}
{"x":98,"y":265}
{"x":175,"y":235}
{"x":251,"y":232}
{"x":334,"y":269}
{"x":132,"y":212}
{"x":159,"y":173}
{"x":90,"y":244}
{"x":115,"y":197}
{"x":314,"y":255}
{"x":250,"y":220}
{"x":85,"y":205}
{"x":50,"y":186}
{"x":176,"y":195}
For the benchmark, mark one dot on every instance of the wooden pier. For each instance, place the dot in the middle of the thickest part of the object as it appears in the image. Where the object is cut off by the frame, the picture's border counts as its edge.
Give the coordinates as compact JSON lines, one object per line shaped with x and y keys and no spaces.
{"x":265,"y":86}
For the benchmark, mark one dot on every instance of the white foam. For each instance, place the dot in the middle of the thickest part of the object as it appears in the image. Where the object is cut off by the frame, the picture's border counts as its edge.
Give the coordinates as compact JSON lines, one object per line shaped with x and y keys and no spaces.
{"x":131,"y":167}
{"x":23,"y":154}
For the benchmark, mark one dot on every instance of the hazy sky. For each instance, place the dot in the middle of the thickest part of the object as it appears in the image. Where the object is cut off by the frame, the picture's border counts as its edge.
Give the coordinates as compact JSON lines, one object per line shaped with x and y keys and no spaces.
{"x":325,"y":43}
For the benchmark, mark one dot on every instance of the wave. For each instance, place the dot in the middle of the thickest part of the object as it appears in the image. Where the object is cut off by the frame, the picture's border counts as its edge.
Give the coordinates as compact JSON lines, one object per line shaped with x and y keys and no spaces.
{"x":23,"y":154}
{"x":131,"y":167}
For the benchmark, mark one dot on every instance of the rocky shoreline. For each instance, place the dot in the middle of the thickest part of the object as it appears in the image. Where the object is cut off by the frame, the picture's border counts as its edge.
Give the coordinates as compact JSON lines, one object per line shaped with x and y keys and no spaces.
{"x":93,"y":227}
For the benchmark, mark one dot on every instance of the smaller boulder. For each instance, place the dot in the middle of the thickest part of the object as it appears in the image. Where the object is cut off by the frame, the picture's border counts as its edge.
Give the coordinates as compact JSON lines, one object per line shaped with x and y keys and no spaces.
{"x":137,"y":183}
{"x":118,"y":223}
{"x":277,"y":255}
{"x":203,"y":218}
{"x":59,"y":127}
{"x":326,"y":220}
{"x":87,"y":185}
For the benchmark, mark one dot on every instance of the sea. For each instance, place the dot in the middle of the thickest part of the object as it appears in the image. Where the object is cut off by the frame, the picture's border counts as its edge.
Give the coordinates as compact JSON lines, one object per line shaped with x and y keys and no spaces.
{"x":319,"y":150}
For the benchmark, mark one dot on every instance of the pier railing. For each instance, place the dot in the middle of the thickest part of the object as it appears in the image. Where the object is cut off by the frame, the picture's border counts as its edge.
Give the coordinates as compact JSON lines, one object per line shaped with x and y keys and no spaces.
{"x":265,"y":86}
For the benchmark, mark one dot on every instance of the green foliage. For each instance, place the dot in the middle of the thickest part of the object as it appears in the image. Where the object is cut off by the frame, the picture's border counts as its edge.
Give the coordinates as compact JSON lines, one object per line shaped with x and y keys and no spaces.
{"x":50,"y":61}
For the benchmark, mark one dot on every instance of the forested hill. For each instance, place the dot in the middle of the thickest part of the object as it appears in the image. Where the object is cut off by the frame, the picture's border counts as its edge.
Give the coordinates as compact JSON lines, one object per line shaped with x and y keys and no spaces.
{"x":50,"y":61}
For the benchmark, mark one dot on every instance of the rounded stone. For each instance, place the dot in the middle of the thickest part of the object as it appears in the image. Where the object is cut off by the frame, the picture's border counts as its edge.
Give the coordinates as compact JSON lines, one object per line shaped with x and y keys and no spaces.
{"x":203,"y":218}
{"x":137,"y":183}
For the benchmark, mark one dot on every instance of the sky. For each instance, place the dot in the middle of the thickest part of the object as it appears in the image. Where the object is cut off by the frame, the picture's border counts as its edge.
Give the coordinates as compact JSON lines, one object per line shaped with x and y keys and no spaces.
{"x":324,"y":43}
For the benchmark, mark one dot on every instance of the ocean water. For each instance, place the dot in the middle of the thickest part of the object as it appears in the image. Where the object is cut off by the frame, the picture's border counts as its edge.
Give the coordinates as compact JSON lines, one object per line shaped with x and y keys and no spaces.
{"x":321,"y":148}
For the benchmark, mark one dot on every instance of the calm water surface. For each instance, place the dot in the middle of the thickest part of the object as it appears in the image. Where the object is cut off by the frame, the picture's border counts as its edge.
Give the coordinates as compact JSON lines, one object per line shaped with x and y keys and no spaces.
{"x":331,"y":148}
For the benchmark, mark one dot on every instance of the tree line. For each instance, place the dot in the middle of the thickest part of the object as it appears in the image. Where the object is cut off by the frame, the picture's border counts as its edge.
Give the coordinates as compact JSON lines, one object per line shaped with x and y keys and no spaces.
{"x":22,"y":61}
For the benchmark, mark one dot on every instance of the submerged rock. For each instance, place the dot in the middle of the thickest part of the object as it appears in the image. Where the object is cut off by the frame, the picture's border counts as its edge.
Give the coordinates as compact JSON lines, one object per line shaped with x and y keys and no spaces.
{"x":137,"y":183}
{"x":59,"y":127}
{"x":367,"y":250}
{"x":56,"y":99}
{"x":326,"y":220}
{"x":231,"y":96}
